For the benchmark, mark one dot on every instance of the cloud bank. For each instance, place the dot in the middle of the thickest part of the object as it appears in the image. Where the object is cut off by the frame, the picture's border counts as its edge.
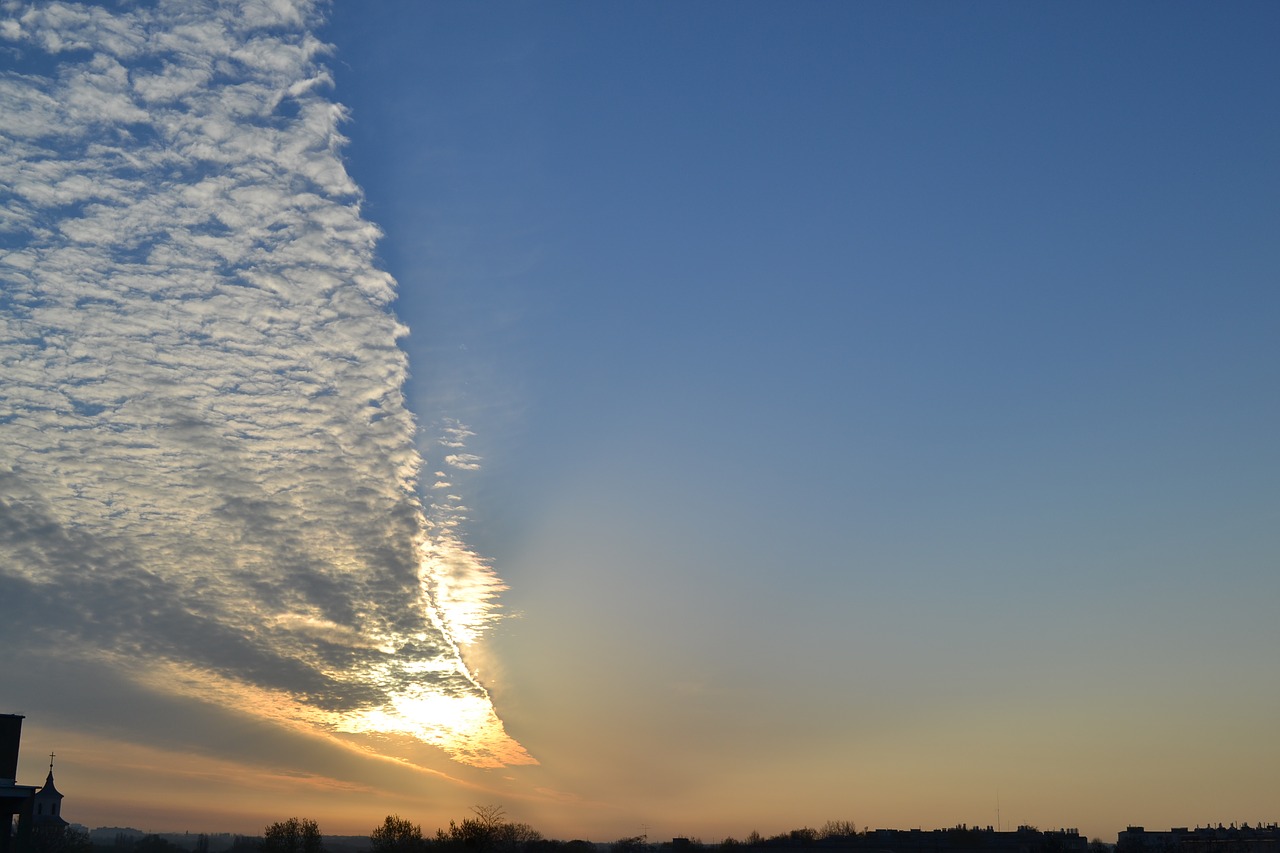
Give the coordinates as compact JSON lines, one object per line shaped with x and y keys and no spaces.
{"x":208,"y":475}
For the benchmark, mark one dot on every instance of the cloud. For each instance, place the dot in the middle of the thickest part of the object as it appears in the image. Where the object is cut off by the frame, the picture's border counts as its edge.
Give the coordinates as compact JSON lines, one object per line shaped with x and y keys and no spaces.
{"x":454,"y":434}
{"x":463,"y":461}
{"x":208,"y":475}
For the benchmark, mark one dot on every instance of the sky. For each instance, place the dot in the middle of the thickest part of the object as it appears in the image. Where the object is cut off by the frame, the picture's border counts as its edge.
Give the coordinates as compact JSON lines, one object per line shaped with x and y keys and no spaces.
{"x":665,"y":418}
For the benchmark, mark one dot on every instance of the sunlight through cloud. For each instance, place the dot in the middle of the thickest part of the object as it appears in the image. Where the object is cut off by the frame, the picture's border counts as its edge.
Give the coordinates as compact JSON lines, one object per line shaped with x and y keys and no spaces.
{"x":208,"y":476}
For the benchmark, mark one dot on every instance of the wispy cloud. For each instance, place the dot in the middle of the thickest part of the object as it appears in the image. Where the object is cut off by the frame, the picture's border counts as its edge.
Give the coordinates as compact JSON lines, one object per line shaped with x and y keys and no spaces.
{"x":207,"y":469}
{"x":463,"y":461}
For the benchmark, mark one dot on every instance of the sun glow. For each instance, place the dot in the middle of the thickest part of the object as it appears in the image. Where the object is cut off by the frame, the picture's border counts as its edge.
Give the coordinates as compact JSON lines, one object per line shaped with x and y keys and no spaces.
{"x":465,"y":726}
{"x":423,"y":690}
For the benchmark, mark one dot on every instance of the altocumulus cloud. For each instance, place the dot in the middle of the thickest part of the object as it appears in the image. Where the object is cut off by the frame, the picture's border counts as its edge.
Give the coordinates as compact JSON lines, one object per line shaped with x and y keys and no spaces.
{"x":208,"y":475}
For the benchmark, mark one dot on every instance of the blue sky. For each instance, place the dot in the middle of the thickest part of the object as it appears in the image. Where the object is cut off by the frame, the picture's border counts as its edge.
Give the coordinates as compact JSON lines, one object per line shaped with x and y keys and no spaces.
{"x":867,"y":407}
{"x":888,"y":360}
{"x":932,"y":240}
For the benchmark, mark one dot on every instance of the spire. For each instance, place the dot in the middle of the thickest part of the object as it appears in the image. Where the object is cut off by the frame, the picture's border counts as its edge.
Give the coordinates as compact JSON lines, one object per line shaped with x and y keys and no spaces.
{"x":48,"y":781}
{"x":47,"y":805}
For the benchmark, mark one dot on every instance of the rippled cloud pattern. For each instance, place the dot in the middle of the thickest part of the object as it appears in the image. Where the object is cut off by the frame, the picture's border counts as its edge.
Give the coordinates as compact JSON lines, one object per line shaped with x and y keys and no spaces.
{"x":208,"y":474}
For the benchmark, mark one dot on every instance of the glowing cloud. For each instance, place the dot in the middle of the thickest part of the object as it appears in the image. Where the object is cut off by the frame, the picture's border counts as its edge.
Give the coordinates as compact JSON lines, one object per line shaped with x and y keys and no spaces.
{"x":207,"y":471}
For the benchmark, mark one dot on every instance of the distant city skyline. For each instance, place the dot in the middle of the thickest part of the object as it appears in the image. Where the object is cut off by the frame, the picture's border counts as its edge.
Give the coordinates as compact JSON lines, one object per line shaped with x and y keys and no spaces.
{"x":714,"y":417}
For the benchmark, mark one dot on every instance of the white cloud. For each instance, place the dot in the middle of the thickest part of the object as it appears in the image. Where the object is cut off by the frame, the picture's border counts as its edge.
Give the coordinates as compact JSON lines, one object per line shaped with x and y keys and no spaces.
{"x":463,"y":461}
{"x":206,"y":463}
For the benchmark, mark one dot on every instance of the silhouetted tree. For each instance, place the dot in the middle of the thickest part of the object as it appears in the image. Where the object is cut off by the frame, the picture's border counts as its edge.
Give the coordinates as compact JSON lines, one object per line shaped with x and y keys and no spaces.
{"x":470,"y":834}
{"x":490,"y":816}
{"x":838,"y":829}
{"x":397,"y":835}
{"x":795,"y":838}
{"x":631,"y":844}
{"x":295,"y":835}
{"x":56,"y":839}
{"x":488,"y":830}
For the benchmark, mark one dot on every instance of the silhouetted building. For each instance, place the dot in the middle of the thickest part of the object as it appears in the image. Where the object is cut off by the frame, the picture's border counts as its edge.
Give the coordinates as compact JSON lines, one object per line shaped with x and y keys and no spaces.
{"x":15,"y":799}
{"x":36,"y":808}
{"x":973,"y":839}
{"x":47,"y":803}
{"x":1263,"y":838}
{"x":959,"y":839}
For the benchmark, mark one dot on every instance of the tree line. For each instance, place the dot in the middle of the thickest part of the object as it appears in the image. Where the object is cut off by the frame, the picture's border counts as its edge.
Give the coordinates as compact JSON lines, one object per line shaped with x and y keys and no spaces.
{"x":486,"y":830}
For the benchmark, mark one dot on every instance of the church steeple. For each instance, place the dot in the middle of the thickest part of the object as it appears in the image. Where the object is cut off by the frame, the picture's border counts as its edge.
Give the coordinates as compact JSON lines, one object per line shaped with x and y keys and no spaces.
{"x":48,"y":802}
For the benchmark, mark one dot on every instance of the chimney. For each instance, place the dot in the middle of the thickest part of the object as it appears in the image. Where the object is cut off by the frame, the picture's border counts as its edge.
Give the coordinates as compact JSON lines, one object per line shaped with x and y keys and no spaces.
{"x":10,"y":738}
